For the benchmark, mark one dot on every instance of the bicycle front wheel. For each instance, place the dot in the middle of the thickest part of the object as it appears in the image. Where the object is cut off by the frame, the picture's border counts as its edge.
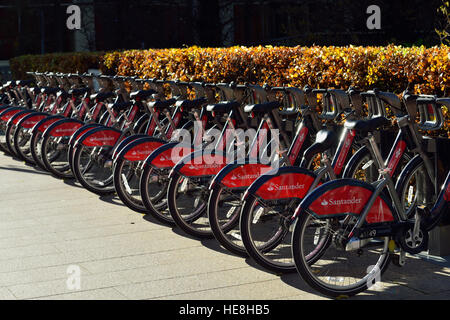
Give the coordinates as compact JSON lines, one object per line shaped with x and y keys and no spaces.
{"x":331,"y":267}
{"x":187,"y":199}
{"x":91,"y":169}
{"x":126,"y":182}
{"x":266,"y":232}
{"x":224,"y":209}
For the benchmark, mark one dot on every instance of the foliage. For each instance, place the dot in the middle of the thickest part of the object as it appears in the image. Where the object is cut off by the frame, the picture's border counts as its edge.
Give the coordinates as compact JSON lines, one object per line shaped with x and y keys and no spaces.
{"x":55,"y":62}
{"x":443,"y":22}
{"x":391,"y":68}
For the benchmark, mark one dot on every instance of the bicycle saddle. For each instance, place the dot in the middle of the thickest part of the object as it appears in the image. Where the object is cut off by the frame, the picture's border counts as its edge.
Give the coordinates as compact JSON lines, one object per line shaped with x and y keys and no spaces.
{"x":162,"y":104}
{"x":262,"y":107}
{"x":223,"y":107}
{"x":50,"y":90}
{"x":36,"y":90}
{"x":23,"y":83}
{"x":78,"y":92}
{"x":122,"y":106}
{"x":391,"y":99}
{"x":102,"y":96}
{"x":367,"y":125}
{"x":325,"y":139}
{"x":62,"y":93}
{"x":191,"y":104}
{"x":142,"y":94}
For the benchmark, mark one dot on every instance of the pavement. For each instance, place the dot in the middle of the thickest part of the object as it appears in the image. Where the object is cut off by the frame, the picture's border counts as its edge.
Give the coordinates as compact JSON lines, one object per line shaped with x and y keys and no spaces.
{"x":59,"y":241}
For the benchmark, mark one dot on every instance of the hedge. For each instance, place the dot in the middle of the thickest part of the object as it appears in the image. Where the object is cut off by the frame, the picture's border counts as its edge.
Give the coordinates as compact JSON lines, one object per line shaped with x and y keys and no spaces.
{"x":391,"y":68}
{"x":56,"y":62}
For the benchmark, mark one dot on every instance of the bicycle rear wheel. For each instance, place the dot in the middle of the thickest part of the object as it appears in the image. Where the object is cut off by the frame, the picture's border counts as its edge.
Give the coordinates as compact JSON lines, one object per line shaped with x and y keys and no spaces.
{"x":415,"y":187}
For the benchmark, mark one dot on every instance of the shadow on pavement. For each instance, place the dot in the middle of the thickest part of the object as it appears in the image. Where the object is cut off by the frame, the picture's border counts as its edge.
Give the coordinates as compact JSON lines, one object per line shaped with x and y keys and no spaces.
{"x":149,"y":218}
{"x":73,"y":183}
{"x":113,"y":199}
{"x":35,"y":171}
{"x":213,"y":244}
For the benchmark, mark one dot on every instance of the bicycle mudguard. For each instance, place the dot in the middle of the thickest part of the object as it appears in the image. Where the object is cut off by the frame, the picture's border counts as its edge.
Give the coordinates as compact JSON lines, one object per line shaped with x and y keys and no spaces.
{"x":346,"y":196}
{"x":80,"y":131}
{"x":8,"y":113}
{"x":4,"y":107}
{"x":140,"y":149}
{"x":201,"y":163}
{"x":282,"y":183}
{"x":99,"y":137}
{"x":30,"y":120}
{"x":124,"y":143}
{"x":18,"y":116}
{"x":168,"y":155}
{"x":45,"y":123}
{"x":63,"y":128}
{"x":240,"y":173}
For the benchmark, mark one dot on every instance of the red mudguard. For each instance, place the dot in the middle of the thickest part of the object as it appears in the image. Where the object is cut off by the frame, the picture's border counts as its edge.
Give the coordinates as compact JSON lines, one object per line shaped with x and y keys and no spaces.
{"x":65,"y":129}
{"x":103,"y":137}
{"x":202,"y":165}
{"x":244,"y":175}
{"x":31,"y":121}
{"x":350,"y":199}
{"x":169,"y":155}
{"x":141,"y":151}
{"x":9,"y":114}
{"x":291,"y":185}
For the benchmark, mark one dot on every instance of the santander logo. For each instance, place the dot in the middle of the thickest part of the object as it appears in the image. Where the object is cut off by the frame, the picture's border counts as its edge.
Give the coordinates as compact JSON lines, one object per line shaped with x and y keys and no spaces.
{"x":333,"y":202}
{"x":101,"y":139}
{"x":277,"y":187}
{"x":65,"y":130}
{"x":204,"y":166}
{"x":244,"y":177}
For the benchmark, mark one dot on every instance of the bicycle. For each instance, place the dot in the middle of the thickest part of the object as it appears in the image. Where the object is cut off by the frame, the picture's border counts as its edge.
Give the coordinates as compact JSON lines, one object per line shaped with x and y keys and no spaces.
{"x":225,"y":115}
{"x":358,"y":226}
{"x":270,"y":201}
{"x":129,"y":157}
{"x":229,"y":185}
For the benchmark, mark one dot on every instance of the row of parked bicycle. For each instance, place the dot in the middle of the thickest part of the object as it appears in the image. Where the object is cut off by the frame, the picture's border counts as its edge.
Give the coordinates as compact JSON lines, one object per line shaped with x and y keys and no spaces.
{"x":334,"y":184}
